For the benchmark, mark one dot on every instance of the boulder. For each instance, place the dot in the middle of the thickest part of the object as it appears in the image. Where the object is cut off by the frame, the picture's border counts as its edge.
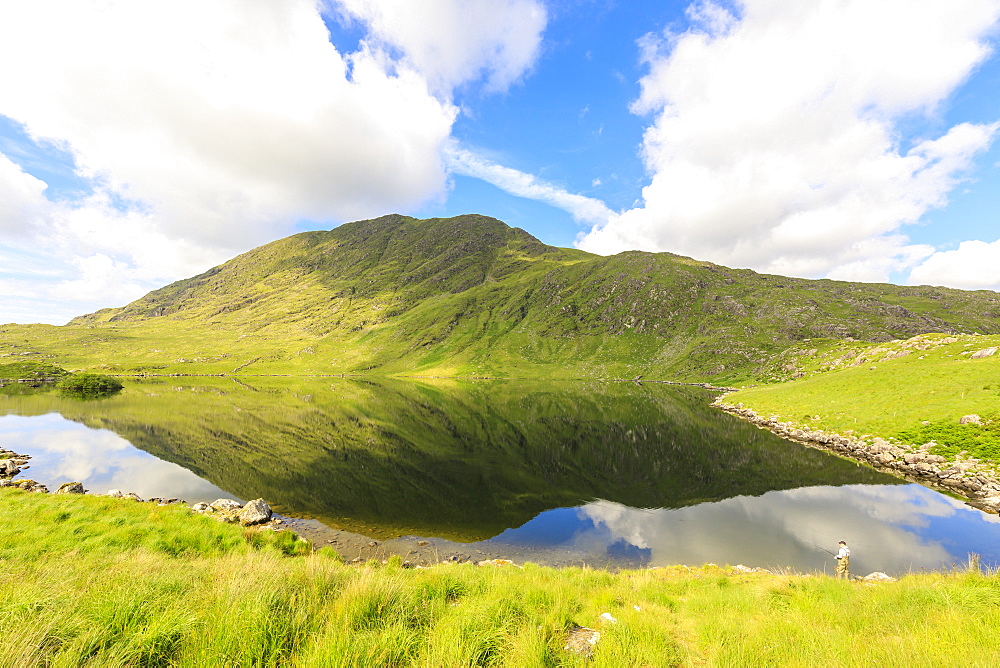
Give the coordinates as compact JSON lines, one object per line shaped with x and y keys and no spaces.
{"x":255,"y":512}
{"x":985,"y":352}
{"x":71,"y":488}
{"x":225,"y":504}
{"x":970,"y":419}
{"x":877,"y":576}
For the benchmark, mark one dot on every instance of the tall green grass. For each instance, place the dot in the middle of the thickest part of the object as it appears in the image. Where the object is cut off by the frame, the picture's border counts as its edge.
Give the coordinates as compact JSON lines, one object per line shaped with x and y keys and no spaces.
{"x":225,"y":600}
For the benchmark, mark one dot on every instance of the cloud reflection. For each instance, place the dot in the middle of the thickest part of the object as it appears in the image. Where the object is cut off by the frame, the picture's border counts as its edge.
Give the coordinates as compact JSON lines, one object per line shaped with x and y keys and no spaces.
{"x":887,"y":528}
{"x":64,"y":451}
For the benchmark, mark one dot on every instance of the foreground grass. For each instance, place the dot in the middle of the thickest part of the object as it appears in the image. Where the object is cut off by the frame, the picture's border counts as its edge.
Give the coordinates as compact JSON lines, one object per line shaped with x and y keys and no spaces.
{"x":104,"y":582}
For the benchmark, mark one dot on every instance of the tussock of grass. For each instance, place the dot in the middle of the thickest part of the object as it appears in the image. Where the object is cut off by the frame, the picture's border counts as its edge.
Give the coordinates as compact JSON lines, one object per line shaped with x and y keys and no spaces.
{"x":227,"y":601}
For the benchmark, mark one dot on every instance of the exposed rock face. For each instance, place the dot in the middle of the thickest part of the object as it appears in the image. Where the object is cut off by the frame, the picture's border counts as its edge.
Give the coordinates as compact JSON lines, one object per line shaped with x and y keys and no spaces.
{"x":985,"y":352}
{"x":71,"y":488}
{"x":970,"y":419}
{"x":975,"y":481}
{"x":254,"y":512}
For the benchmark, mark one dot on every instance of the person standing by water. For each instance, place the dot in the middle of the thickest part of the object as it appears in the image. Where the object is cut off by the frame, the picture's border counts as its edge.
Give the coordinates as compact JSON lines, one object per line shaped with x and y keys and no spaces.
{"x":843,"y":560}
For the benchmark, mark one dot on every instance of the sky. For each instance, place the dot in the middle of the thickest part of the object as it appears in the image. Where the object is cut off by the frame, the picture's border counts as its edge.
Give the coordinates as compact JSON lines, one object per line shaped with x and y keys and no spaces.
{"x":144,"y":142}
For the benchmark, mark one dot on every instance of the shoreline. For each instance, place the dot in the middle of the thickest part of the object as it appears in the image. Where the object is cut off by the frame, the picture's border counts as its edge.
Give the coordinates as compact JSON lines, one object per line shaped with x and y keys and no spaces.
{"x":977,"y":483}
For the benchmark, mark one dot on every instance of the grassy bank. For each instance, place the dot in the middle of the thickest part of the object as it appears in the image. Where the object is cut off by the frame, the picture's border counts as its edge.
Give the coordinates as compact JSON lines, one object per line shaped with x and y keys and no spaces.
{"x":106,"y":582}
{"x":912,"y":391}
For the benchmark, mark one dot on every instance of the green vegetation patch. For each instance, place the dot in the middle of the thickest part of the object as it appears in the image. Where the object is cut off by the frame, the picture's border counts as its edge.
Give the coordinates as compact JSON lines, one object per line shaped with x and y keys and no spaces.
{"x":35,"y":526}
{"x":88,"y":385}
{"x":31,"y":371}
{"x":978,"y":440}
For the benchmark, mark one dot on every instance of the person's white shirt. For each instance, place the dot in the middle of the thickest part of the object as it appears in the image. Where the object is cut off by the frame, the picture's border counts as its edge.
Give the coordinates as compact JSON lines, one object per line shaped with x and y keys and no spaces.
{"x":844,"y":552}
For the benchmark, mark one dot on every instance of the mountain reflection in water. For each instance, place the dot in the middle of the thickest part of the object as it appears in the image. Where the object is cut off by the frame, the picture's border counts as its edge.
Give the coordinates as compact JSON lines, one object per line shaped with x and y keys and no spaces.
{"x":586,"y":472}
{"x":462,"y":460}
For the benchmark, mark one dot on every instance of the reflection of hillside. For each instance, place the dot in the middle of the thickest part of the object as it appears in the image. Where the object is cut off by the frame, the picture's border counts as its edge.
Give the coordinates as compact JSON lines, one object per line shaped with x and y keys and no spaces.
{"x":465,"y":460}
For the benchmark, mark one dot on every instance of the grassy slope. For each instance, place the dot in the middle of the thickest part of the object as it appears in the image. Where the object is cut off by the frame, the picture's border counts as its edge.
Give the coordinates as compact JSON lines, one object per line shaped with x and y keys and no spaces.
{"x":107,"y":582}
{"x":471,"y":296}
{"x":890,"y":388}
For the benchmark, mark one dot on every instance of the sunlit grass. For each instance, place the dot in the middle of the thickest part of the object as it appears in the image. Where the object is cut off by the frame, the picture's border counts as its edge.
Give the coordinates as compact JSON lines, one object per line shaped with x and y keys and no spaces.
{"x":228,"y":601}
{"x":886,"y":397}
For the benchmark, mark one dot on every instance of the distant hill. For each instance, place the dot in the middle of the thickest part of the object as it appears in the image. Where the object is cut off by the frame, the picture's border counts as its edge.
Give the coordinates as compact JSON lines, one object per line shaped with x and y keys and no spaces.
{"x":472,"y":296}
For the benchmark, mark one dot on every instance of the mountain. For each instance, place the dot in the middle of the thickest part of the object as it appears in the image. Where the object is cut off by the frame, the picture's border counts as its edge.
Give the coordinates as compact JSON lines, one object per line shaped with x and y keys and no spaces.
{"x":472,"y":296}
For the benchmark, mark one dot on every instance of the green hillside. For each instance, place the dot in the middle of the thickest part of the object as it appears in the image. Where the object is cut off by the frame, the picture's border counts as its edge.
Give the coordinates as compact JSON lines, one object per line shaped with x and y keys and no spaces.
{"x":471,"y":296}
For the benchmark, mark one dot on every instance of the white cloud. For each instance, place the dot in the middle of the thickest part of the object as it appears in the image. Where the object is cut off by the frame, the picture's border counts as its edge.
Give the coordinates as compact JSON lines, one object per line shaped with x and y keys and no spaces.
{"x":775,"y":142}
{"x":210,"y":126}
{"x":22,"y":198}
{"x":583,"y":209}
{"x":973,"y":265}
{"x":229,"y":119}
{"x":456,"y":41}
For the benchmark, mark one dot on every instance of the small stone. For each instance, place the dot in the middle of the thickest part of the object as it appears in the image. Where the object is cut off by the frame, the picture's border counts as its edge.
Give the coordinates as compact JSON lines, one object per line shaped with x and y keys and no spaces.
{"x":225,"y":504}
{"x":607,"y":617}
{"x":200,"y":507}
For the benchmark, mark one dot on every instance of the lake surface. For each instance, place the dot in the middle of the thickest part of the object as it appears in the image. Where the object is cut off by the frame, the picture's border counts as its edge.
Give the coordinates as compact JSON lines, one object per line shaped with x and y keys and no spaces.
{"x":607,"y":474}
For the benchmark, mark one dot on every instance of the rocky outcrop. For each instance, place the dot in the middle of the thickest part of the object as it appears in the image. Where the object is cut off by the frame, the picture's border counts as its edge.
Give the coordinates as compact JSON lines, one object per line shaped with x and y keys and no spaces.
{"x":12,"y":463}
{"x":26,"y":485}
{"x":968,"y":477}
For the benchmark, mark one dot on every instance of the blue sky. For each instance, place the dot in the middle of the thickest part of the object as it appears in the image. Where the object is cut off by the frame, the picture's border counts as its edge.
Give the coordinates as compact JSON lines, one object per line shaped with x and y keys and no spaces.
{"x":144,"y":142}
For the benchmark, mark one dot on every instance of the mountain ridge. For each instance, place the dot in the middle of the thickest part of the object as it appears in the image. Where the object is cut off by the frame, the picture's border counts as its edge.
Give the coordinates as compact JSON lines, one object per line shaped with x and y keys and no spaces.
{"x":470,"y":295}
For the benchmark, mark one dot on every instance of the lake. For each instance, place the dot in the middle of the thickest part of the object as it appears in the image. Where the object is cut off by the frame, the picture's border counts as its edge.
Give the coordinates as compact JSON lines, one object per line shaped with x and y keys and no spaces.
{"x":599,"y":473}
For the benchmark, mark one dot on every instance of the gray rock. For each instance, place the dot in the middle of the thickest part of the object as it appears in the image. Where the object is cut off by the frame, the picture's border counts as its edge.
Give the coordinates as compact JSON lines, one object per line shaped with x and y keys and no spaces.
{"x":200,"y":507}
{"x":71,"y":488}
{"x":115,"y":493}
{"x":225,"y":504}
{"x":985,"y":352}
{"x":582,"y":640}
{"x":913,"y":458}
{"x":970,"y":419}
{"x":255,"y":512}
{"x":8,"y":467}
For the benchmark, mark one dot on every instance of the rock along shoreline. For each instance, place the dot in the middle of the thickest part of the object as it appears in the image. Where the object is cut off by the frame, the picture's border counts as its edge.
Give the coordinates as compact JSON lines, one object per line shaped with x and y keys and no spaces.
{"x":976,"y":482}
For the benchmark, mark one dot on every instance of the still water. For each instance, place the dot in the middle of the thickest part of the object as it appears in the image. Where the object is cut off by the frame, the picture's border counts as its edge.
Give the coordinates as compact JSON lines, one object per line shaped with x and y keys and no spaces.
{"x":607,"y":474}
